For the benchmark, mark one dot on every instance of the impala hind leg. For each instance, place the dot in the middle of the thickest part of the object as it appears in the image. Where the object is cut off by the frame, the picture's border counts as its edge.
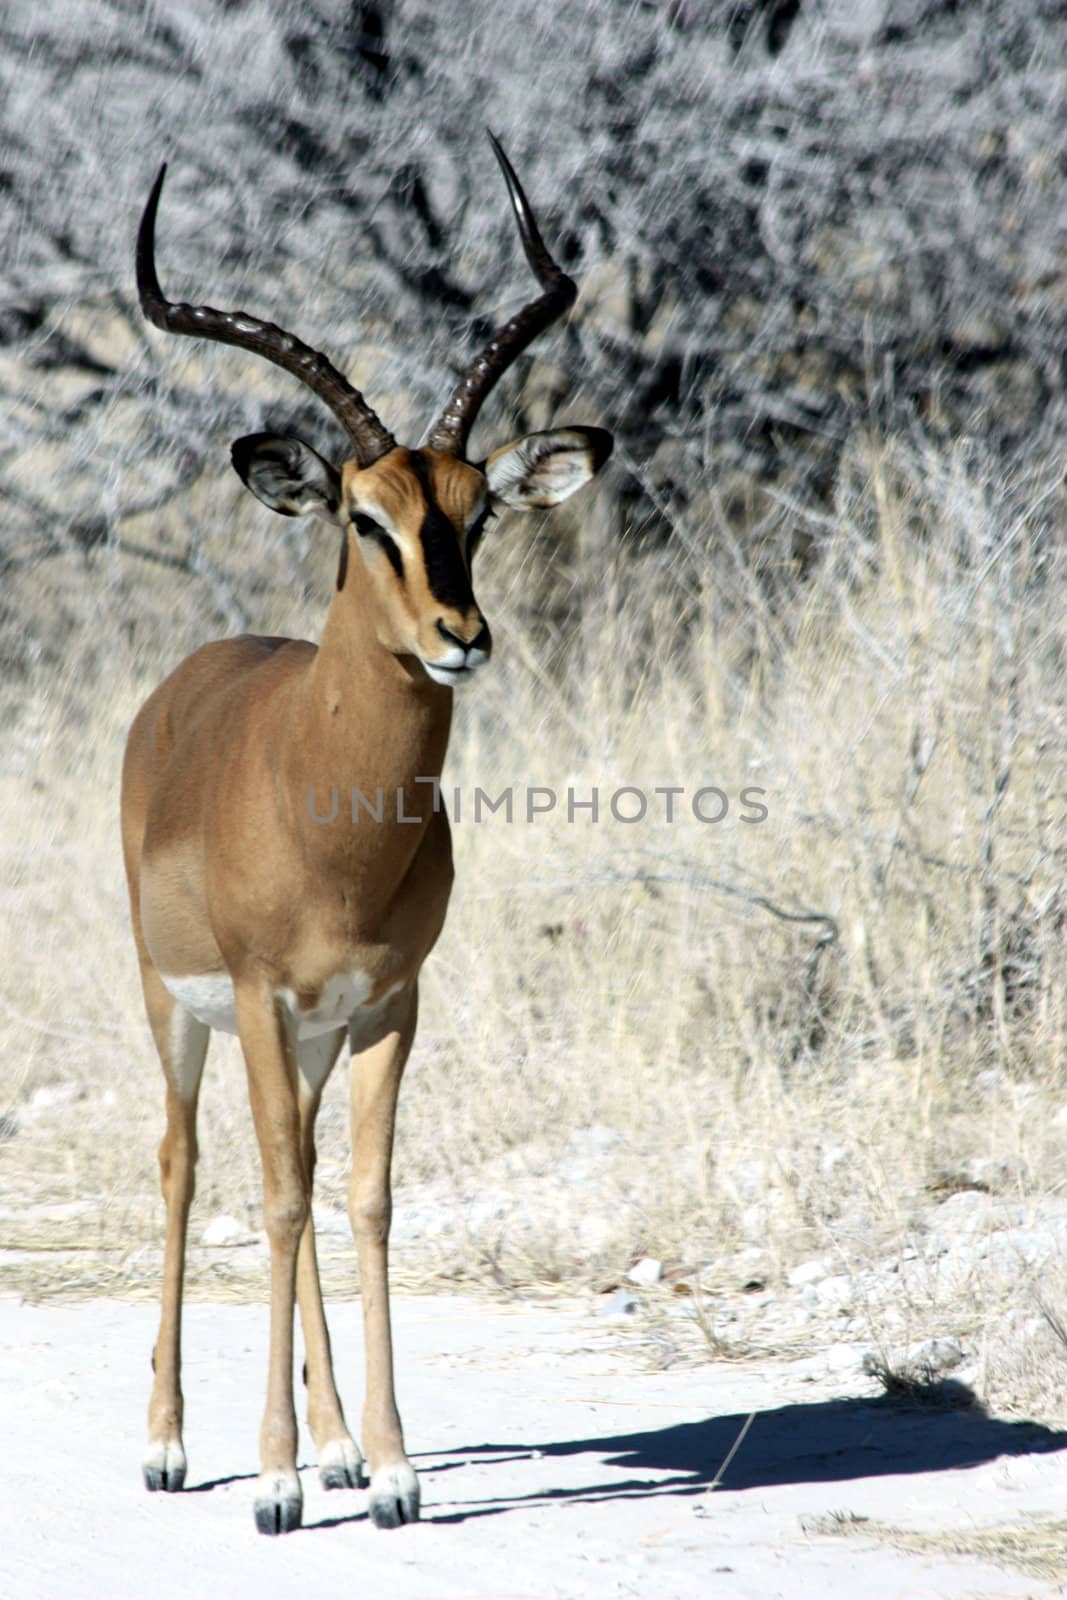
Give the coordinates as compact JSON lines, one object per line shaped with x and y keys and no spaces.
{"x":340,"y":1459}
{"x":270,"y":1060}
{"x":376,"y":1074}
{"x":182,"y":1043}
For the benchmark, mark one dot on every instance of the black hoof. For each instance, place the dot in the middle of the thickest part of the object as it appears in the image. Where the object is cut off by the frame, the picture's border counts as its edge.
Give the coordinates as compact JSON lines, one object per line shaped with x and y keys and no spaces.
{"x":388,"y":1513}
{"x":342,"y":1477}
{"x":170,"y":1479}
{"x":278,"y":1516}
{"x":341,"y":1465}
{"x":394,"y":1497}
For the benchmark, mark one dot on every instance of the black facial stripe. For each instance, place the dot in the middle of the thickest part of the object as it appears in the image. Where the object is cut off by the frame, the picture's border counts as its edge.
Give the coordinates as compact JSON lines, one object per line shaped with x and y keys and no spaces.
{"x":392,"y":550}
{"x":446,"y":570}
{"x":367,"y":528}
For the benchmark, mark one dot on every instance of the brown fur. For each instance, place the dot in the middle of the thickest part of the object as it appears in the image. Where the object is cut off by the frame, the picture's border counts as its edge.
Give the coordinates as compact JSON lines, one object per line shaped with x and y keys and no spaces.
{"x":228,"y":873}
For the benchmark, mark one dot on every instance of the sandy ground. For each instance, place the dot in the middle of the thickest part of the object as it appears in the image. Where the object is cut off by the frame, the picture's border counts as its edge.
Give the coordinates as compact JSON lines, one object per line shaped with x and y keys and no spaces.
{"x":553,"y":1463}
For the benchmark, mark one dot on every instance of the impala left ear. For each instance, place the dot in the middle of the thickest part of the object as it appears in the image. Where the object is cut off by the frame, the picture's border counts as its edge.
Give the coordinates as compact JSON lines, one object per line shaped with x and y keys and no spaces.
{"x":543,"y":469}
{"x":288,"y":475}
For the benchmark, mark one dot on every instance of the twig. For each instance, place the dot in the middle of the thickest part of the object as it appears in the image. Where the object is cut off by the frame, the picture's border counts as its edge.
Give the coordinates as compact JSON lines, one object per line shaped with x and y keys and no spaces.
{"x":734,"y":1448}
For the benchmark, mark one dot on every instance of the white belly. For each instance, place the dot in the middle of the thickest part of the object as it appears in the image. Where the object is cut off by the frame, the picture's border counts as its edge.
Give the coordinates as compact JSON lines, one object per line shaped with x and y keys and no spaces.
{"x":343,"y":1002}
{"x":209,"y":999}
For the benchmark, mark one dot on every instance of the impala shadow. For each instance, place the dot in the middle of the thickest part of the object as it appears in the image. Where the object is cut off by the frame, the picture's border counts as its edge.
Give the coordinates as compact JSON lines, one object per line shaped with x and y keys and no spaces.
{"x":826,"y":1442}
{"x":219,"y":1483}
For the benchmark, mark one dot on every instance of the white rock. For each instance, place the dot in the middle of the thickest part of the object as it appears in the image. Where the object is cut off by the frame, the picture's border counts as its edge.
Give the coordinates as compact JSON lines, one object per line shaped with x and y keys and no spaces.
{"x":1008,"y":1251}
{"x":223,"y":1230}
{"x":647,"y":1270}
{"x":967,"y":1212}
{"x":836,"y":1292}
{"x":807,"y":1272}
{"x":939,"y":1355}
{"x":623,"y":1303}
{"x":844,"y":1359}
{"x":55,"y":1095}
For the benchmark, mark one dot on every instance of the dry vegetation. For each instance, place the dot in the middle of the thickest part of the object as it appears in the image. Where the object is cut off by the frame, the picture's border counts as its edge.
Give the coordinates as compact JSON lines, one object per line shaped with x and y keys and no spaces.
{"x":828,"y":563}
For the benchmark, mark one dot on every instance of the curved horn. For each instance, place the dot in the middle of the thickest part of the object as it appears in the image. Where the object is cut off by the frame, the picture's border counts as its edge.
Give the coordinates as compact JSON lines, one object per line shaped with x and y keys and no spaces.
{"x":454,"y":424}
{"x":370,"y":438}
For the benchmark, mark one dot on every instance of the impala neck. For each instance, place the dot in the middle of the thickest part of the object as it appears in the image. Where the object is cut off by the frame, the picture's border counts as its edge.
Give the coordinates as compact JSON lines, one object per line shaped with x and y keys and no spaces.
{"x":367,"y":720}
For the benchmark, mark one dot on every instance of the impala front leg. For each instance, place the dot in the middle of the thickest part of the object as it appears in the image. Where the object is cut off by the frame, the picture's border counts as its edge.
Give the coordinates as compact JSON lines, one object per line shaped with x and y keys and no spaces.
{"x":376,"y":1074}
{"x":286,"y":1206}
{"x":340,"y":1459}
{"x":182,"y":1043}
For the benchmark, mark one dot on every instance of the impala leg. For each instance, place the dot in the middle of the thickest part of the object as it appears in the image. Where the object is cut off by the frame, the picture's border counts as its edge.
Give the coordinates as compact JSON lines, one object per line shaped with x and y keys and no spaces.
{"x":340,"y":1460}
{"x":182,"y":1043}
{"x":376,"y":1074}
{"x":272,"y":1087}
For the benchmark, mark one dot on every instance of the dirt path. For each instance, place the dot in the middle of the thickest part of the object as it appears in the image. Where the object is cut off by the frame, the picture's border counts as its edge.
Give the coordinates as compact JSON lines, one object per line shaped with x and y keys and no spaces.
{"x":551,"y":1463}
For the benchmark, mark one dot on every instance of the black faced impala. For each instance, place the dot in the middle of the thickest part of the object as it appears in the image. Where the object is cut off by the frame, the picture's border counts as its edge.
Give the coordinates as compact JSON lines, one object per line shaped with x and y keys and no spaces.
{"x":253,"y":914}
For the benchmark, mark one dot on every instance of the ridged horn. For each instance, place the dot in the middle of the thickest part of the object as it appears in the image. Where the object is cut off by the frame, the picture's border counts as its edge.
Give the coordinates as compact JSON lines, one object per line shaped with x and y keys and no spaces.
{"x":451,"y":430}
{"x":370,"y":438}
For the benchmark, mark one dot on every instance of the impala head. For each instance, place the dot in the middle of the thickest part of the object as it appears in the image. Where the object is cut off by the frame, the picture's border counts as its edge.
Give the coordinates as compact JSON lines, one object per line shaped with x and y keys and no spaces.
{"x":413,"y":516}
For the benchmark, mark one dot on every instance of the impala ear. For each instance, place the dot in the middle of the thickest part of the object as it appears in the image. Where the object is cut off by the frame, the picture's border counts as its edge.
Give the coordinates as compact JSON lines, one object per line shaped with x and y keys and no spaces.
{"x":288,"y":475}
{"x":543,"y":469}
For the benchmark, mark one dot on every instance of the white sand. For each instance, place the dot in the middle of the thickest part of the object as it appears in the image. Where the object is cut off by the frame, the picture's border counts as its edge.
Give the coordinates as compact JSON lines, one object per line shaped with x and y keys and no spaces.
{"x":551,"y":1465}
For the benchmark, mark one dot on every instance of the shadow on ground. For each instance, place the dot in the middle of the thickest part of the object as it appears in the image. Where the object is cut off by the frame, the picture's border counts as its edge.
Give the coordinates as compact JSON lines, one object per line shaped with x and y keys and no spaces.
{"x":833,"y":1441}
{"x":829,"y":1442}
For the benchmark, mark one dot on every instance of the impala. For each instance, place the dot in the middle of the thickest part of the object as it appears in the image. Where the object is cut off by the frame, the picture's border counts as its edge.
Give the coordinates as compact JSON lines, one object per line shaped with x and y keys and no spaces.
{"x":251,"y":916}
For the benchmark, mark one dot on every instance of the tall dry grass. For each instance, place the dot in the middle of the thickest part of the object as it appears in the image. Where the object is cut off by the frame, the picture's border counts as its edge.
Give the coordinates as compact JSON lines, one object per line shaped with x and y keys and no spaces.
{"x":677,"y":1038}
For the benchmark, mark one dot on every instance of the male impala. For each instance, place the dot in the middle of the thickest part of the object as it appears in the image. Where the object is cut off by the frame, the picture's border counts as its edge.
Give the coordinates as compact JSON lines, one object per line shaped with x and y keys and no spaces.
{"x":252,"y":916}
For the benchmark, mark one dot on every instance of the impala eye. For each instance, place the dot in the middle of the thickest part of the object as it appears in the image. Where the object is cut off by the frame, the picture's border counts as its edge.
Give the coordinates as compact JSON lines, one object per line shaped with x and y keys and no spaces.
{"x":367,"y":528}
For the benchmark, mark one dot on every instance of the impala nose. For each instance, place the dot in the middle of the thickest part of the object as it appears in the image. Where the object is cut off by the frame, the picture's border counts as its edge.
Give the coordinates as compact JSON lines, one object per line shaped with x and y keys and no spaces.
{"x":462,"y":657}
{"x":480,"y":642}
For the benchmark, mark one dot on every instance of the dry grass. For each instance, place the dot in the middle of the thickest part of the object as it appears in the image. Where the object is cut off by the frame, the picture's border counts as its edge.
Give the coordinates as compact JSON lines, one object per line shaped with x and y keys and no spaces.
{"x":786,"y":1033}
{"x":1038,"y":1549}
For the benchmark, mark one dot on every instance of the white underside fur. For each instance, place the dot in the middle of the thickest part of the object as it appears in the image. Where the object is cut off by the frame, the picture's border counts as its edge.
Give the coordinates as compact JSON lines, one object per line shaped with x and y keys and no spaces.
{"x":208,"y":999}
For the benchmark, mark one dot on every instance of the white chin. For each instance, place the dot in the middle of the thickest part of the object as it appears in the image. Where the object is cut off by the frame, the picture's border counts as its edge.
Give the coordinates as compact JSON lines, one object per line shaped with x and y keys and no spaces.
{"x":451,"y":677}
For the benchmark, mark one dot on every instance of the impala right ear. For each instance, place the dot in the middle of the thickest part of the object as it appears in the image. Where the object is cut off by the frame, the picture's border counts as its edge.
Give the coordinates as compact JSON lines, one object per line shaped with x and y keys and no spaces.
{"x":288,"y":475}
{"x":544,"y":469}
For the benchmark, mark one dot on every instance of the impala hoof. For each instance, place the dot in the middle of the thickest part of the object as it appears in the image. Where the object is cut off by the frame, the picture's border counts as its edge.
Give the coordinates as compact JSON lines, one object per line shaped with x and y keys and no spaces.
{"x":279,"y":1503}
{"x":341,"y":1465}
{"x":164,"y":1467}
{"x":394,"y":1496}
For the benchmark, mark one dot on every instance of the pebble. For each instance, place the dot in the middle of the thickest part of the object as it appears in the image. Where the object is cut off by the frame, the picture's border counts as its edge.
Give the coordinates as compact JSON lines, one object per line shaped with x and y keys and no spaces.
{"x":623,"y":1303}
{"x":222,"y":1230}
{"x":807,"y":1272}
{"x":836,"y":1292}
{"x":55,"y":1094}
